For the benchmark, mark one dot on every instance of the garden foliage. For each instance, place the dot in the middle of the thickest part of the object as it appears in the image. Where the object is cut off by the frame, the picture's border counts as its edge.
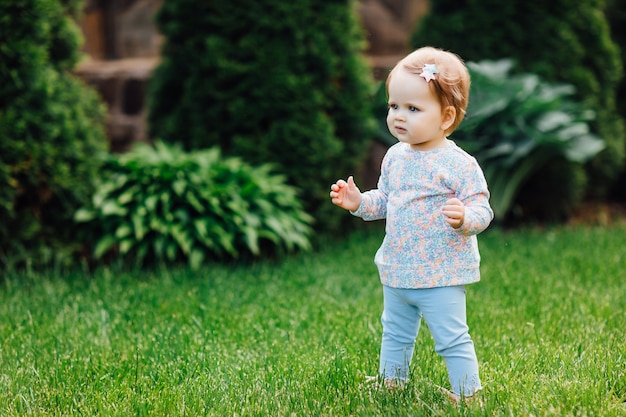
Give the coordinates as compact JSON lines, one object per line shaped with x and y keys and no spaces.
{"x":51,"y":132}
{"x":616,"y":13}
{"x":268,"y":81}
{"x":162,"y":203}
{"x":564,"y":41}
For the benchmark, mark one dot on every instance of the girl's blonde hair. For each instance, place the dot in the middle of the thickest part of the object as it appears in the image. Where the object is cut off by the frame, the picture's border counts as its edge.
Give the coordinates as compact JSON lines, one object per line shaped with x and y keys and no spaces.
{"x":451,"y":84}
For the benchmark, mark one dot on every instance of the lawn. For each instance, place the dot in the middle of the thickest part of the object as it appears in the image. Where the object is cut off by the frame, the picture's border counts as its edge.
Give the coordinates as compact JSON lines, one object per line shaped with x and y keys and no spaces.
{"x":297,"y":337}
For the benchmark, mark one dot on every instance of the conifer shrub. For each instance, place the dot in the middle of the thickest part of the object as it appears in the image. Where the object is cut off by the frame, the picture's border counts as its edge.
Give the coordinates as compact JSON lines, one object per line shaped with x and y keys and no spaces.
{"x":268,"y":81}
{"x":616,"y":13}
{"x":51,"y":133}
{"x":560,"y":41}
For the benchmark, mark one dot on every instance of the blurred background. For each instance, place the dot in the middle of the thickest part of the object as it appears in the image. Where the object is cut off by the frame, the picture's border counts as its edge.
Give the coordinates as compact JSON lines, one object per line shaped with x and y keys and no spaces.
{"x":122,"y":44}
{"x":111,"y":110}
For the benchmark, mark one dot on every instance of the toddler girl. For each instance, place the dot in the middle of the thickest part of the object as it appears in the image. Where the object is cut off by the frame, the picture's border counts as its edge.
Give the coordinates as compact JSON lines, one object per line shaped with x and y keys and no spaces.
{"x":435,"y":200}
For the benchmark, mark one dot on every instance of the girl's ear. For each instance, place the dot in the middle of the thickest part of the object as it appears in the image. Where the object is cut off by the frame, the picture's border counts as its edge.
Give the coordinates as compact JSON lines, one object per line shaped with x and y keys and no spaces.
{"x":448,"y":117}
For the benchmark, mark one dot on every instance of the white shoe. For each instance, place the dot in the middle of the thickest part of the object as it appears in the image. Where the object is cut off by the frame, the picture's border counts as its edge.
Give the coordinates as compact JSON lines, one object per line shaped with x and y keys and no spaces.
{"x":456,"y":398}
{"x":388,"y":383}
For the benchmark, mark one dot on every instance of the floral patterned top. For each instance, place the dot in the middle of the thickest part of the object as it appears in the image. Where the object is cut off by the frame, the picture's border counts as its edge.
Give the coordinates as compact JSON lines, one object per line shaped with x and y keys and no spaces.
{"x":420,"y":249}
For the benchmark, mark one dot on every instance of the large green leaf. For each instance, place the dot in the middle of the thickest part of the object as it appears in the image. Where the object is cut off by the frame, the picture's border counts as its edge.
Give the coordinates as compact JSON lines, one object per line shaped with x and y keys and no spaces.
{"x":104,"y":244}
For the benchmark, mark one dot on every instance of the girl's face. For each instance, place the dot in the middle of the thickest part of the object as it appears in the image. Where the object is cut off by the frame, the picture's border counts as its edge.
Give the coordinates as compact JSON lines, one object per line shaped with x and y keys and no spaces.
{"x":415,"y":115}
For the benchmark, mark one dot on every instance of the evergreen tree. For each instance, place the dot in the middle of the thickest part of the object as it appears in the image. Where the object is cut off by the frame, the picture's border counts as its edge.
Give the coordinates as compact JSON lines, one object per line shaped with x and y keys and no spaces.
{"x":51,"y":131}
{"x":561,"y":41}
{"x":269,"y":81}
{"x":616,"y":13}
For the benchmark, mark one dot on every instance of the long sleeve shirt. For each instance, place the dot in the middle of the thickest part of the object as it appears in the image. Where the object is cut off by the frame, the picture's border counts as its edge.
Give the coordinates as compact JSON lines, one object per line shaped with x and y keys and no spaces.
{"x":420,"y":249}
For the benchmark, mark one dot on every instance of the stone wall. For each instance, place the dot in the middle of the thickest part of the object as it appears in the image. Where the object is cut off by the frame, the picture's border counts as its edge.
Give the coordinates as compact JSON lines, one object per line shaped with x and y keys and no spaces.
{"x":388,"y":25}
{"x":122,"y":84}
{"x":122,"y":47}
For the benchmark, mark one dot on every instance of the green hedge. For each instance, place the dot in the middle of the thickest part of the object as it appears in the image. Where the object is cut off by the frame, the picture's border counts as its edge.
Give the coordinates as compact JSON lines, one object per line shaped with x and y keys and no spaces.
{"x":269,"y":81}
{"x":560,"y":41}
{"x":616,"y":13}
{"x":51,"y":133}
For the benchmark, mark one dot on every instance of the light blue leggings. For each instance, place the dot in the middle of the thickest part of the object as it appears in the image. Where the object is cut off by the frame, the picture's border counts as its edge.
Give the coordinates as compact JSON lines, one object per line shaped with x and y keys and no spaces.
{"x":443,"y":310}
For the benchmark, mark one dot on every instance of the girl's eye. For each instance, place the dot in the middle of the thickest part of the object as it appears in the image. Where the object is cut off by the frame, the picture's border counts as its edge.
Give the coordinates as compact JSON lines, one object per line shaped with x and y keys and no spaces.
{"x":393,"y":106}
{"x":412,"y":108}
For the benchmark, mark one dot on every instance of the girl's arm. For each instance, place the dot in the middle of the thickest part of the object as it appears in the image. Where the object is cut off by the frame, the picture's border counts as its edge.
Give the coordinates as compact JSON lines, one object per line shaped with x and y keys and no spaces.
{"x":470,"y":213}
{"x":471,"y":217}
{"x":373,"y":205}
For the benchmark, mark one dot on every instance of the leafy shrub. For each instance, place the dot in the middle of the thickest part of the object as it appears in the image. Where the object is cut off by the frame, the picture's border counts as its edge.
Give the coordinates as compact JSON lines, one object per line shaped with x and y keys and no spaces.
{"x":51,"y":133}
{"x":282,"y":82}
{"x":161,"y":203}
{"x":518,"y":128}
{"x":562,"y":41}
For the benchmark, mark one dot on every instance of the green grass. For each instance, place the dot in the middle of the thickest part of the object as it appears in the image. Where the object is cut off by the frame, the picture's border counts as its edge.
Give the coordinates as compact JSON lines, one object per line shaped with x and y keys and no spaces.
{"x":297,"y":338}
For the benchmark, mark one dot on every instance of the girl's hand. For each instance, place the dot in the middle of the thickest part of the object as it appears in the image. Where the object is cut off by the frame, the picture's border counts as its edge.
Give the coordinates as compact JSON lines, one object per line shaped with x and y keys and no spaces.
{"x":454,"y":210}
{"x":346,"y":194}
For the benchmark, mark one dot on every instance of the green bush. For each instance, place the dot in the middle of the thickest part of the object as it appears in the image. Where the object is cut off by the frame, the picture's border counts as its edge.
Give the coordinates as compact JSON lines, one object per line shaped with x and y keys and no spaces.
{"x":616,"y":14}
{"x":269,"y":81}
{"x":51,"y":134}
{"x":565,"y":41}
{"x":524,"y":131}
{"x":160,"y":203}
